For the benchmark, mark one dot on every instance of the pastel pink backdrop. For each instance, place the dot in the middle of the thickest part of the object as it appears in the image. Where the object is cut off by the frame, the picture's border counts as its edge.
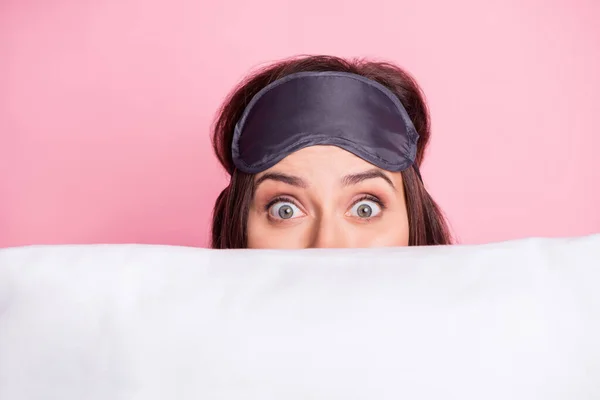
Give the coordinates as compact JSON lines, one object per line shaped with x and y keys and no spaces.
{"x":105,"y":108}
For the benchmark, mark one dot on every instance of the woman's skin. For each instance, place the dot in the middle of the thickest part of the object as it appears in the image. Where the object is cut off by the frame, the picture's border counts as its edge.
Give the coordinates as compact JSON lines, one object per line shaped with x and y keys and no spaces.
{"x":326,"y":197}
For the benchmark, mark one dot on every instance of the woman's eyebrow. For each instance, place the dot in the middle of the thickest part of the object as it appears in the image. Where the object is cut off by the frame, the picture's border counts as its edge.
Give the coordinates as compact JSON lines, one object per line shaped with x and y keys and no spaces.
{"x":279,"y":177}
{"x":353,"y":179}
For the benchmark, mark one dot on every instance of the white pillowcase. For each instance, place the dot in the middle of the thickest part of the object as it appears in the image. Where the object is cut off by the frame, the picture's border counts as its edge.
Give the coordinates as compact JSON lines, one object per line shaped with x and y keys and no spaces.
{"x":515,"y":320}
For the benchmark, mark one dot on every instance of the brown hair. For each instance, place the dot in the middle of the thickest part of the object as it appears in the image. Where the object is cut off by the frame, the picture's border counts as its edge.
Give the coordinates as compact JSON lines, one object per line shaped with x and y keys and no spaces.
{"x":427,"y":225}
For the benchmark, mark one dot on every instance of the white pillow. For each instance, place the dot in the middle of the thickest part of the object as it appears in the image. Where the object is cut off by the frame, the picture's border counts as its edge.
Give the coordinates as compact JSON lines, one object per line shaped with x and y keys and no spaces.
{"x":516,"y":320}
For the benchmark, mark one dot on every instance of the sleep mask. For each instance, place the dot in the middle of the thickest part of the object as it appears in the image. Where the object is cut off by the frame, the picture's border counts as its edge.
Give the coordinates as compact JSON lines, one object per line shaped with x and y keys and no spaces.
{"x":340,"y":109}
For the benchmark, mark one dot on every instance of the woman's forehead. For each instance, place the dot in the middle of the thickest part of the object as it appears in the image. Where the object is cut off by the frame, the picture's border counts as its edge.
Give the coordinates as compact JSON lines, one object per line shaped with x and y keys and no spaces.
{"x":327,"y":165}
{"x":315,"y":157}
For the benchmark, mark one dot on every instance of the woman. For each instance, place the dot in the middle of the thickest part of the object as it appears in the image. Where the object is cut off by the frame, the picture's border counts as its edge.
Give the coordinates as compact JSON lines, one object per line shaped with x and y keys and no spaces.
{"x":324,"y":152}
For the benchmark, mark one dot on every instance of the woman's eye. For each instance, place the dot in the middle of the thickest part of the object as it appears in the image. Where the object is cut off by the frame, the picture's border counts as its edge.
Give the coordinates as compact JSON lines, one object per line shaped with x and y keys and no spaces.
{"x":365,"y":209}
{"x":284,"y":210}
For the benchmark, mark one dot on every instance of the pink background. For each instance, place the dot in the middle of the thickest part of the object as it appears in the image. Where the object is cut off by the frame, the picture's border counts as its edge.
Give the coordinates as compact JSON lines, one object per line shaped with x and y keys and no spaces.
{"x":105,"y":108}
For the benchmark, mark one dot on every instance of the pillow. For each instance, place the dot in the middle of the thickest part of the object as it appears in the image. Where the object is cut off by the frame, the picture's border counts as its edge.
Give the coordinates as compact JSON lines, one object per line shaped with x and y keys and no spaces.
{"x":515,"y":320}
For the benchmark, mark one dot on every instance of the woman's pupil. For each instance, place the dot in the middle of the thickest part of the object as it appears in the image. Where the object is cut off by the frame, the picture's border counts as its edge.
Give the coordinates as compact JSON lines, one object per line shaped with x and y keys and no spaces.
{"x":285,"y":212}
{"x":364,"y":211}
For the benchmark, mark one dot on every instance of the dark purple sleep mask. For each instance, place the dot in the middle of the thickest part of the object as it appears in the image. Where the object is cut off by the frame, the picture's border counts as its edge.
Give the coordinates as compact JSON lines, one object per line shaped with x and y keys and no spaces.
{"x":340,"y":109}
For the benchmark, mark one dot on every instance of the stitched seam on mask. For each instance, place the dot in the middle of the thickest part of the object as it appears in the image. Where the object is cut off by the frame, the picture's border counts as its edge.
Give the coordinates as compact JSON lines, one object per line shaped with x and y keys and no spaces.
{"x":349,"y":144}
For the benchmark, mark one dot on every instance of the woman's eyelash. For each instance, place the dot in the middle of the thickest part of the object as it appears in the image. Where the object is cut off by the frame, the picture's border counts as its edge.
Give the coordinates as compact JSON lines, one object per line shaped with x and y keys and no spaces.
{"x":372,"y":198}
{"x":283,"y":199}
{"x":279,"y":199}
